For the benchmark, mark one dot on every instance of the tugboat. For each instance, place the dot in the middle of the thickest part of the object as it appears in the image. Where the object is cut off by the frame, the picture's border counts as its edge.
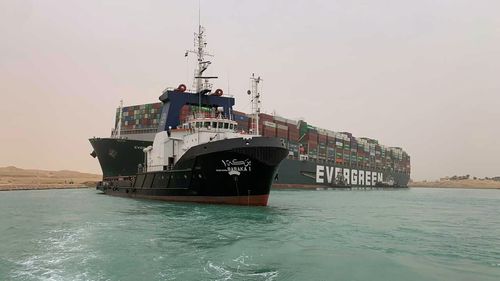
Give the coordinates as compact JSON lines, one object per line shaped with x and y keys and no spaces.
{"x":204,"y":159}
{"x":340,"y":182}
{"x":388,"y":182}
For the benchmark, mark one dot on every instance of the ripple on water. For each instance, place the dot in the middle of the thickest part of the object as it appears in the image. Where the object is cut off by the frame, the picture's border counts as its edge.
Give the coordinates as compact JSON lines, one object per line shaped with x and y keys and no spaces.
{"x":61,"y":249}
{"x":239,"y":271}
{"x":302,"y":235}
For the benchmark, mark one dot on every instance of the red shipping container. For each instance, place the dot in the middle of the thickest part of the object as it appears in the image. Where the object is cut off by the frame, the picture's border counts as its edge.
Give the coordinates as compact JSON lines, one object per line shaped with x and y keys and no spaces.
{"x":282,"y":133}
{"x":322,"y":138}
{"x":293,"y":137}
{"x":312,"y":145}
{"x":265,"y":117}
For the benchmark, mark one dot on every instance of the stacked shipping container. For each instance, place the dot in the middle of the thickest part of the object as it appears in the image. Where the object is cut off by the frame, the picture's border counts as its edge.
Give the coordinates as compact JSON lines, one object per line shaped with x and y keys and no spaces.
{"x":143,"y":117}
{"x":300,"y":138}
{"x":242,"y":120}
{"x":335,"y":147}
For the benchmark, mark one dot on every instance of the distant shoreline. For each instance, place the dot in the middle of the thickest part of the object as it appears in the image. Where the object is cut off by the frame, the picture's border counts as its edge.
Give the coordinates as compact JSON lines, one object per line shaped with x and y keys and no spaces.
{"x":13,"y":178}
{"x":455,"y":187}
{"x":467,"y":183}
{"x":42,"y":187}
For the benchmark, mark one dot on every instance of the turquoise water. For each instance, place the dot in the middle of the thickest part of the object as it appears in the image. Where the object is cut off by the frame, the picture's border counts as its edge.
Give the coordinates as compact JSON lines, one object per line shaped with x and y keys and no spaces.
{"x":416,"y":234}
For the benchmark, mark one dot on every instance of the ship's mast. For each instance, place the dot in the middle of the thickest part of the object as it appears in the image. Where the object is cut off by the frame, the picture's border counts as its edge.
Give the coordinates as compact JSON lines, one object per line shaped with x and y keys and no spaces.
{"x":200,"y":44}
{"x":201,"y":83}
{"x":255,"y":99}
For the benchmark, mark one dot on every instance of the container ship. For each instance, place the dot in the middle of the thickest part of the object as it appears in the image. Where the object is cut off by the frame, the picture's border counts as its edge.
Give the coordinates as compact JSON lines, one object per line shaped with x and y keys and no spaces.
{"x":317,"y":157}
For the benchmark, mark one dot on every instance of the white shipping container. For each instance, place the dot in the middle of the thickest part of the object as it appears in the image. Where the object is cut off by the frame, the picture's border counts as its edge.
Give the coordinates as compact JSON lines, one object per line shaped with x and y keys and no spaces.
{"x":269,"y":124}
{"x":279,"y":118}
{"x":322,"y":131}
{"x":292,"y":122}
{"x":282,"y":127}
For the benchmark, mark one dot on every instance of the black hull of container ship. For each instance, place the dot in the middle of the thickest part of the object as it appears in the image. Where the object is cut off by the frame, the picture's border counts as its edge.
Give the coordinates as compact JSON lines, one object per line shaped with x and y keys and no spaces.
{"x":294,"y":173}
{"x":120,"y":158}
{"x":232,"y":171}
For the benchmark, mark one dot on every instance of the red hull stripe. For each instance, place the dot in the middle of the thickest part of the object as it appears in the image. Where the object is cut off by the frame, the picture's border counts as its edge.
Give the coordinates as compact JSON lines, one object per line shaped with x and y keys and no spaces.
{"x":252,"y":200}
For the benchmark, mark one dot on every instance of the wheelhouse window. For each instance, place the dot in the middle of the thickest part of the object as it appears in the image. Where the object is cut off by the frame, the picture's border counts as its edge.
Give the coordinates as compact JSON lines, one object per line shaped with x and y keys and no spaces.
{"x":226,"y":125}
{"x":220,"y":126}
{"x":206,"y":124}
{"x":214,"y":125}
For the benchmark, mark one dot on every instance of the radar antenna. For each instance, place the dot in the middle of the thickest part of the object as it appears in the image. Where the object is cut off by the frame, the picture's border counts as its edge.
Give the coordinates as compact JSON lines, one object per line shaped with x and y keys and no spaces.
{"x":201,"y":83}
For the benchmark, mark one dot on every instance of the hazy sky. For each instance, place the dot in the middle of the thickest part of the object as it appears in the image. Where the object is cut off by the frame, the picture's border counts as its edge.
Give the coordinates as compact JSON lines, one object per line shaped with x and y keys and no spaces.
{"x":423,"y":75}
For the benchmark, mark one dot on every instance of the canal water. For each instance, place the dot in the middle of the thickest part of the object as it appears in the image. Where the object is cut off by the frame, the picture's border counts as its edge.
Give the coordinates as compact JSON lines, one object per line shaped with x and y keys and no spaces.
{"x":415,"y":234}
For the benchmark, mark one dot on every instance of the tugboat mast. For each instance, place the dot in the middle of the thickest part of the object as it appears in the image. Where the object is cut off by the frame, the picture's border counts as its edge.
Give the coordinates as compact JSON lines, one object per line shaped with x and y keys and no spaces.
{"x":255,"y":99}
{"x":201,"y":83}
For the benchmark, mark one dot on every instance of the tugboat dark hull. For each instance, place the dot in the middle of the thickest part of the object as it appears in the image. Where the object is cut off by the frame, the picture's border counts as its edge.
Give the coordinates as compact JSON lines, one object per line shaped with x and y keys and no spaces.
{"x":232,"y":171}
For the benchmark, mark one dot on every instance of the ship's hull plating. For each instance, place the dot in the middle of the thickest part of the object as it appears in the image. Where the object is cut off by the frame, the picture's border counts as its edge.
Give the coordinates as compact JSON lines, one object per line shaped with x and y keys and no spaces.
{"x":292,"y":173}
{"x":119,"y":157}
{"x":233,"y":171}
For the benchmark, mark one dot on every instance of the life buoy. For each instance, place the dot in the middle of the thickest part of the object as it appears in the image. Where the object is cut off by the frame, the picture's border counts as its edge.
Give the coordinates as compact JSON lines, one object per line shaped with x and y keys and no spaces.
{"x":218,"y":93}
{"x":182,"y":88}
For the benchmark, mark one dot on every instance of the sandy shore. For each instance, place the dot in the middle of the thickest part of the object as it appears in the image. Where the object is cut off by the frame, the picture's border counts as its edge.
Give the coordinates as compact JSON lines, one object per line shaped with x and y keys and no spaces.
{"x":471,"y":183}
{"x":13,"y":178}
{"x":42,"y":187}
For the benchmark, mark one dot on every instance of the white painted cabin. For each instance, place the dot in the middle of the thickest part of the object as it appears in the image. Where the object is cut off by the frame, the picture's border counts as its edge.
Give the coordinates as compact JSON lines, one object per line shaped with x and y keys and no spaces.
{"x":167,"y":150}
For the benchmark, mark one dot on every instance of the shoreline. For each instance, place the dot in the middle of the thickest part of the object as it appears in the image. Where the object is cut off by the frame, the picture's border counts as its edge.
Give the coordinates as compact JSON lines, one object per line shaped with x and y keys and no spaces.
{"x":13,"y":178}
{"x":455,"y":187}
{"x":465,"y":183}
{"x":50,"y":187}
{"x":42,"y":187}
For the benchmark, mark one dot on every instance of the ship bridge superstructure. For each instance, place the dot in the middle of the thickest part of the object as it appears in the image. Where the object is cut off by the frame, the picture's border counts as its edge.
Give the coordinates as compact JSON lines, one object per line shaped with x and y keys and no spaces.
{"x":173,"y":100}
{"x":170,"y":145}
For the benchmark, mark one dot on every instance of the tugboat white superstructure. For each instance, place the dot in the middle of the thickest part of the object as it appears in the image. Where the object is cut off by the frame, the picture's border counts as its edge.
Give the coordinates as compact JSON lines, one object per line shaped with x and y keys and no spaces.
{"x":169,"y":146}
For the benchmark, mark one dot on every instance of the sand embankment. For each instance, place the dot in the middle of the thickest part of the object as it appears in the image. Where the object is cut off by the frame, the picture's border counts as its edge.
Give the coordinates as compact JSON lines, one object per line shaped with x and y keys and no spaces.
{"x":13,"y":178}
{"x":470,"y":183}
